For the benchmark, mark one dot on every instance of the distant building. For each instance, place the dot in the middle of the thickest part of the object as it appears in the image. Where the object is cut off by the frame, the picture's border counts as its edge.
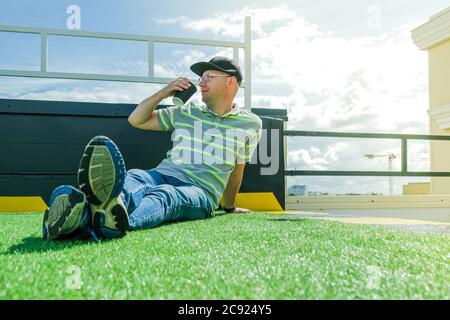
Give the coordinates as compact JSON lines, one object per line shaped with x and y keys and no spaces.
{"x":360,"y":194}
{"x":317,"y":193}
{"x":297,"y":190}
{"x":417,"y":188}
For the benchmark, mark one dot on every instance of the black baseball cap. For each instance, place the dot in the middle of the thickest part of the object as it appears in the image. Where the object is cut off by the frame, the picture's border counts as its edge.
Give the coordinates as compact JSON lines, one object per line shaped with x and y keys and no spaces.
{"x":220,"y":64}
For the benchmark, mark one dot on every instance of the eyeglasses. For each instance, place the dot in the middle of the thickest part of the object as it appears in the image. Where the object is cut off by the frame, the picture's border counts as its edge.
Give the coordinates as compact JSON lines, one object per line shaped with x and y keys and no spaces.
{"x":208,"y":77}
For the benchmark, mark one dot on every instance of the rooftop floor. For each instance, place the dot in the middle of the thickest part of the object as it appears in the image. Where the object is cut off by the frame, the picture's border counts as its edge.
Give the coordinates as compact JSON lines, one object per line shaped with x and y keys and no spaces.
{"x":420,"y":219}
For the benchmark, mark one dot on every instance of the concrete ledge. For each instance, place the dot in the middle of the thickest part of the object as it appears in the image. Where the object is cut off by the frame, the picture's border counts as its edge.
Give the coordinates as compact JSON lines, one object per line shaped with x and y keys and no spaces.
{"x":369,"y":202}
{"x":433,"y":32}
{"x":441,"y":115}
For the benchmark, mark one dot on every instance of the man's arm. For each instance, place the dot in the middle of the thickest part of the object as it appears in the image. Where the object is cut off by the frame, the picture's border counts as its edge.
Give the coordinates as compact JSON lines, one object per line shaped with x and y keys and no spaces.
{"x":144,"y":116}
{"x":232,"y":188}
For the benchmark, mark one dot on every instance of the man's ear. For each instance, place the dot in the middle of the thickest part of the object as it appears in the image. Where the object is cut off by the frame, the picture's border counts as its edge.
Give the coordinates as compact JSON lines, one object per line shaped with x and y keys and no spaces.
{"x":232,"y":80}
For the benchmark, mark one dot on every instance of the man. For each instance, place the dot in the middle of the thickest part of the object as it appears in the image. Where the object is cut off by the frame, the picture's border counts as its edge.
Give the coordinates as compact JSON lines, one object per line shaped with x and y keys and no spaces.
{"x":212,"y":142}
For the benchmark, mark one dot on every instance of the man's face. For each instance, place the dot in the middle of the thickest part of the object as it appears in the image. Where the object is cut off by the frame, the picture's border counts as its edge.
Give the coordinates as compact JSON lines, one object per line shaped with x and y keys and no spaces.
{"x":213,"y":88}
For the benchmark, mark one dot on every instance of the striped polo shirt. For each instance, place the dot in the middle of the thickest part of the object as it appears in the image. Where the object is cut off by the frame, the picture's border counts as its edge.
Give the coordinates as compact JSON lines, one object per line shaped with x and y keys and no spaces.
{"x":206,"y":146}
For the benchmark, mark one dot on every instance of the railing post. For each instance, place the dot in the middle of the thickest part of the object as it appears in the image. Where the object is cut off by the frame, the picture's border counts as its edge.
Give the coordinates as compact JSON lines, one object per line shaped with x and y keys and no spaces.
{"x":404,"y":155}
{"x":151,"y":59}
{"x":247,"y":63}
{"x":43,"y":52}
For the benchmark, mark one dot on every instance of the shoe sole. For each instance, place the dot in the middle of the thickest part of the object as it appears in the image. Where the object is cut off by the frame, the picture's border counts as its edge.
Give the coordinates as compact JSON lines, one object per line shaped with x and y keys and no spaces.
{"x":101,"y":176}
{"x":66,"y":205}
{"x":101,"y":172}
{"x":121,"y":218}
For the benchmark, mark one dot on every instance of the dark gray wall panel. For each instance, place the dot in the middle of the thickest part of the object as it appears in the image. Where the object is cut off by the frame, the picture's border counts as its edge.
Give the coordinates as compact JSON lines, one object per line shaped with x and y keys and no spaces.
{"x":41,"y":143}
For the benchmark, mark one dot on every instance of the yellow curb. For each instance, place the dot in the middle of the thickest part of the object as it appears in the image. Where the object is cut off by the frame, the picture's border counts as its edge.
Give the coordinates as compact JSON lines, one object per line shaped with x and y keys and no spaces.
{"x":257,"y":201}
{"x":22,"y":204}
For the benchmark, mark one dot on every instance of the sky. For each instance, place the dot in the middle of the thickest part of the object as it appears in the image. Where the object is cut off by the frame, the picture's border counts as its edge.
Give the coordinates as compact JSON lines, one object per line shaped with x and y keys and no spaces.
{"x":347,"y":66}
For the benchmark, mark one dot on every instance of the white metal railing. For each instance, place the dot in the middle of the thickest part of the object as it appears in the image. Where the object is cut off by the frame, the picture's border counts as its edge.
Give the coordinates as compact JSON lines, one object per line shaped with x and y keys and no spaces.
{"x":151,"y":40}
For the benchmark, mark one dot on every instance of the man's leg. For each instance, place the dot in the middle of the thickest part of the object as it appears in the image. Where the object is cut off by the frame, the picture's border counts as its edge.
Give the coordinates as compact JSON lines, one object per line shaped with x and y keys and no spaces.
{"x":101,"y":177}
{"x":166,"y":202}
{"x":68,"y":215}
{"x":138,"y":184}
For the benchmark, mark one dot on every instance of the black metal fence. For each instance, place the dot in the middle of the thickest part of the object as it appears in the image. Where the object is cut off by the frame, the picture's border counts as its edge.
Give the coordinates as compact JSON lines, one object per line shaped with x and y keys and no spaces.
{"x":404,"y":154}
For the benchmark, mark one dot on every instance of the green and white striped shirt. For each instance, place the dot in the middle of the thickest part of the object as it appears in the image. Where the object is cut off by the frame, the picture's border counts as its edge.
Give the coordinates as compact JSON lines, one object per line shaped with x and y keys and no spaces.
{"x":206,"y":146}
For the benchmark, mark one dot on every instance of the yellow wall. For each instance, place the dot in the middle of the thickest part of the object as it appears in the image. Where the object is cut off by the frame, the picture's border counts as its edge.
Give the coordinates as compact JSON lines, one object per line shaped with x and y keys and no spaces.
{"x":417,"y":189}
{"x":439,"y":86}
{"x":439,"y":74}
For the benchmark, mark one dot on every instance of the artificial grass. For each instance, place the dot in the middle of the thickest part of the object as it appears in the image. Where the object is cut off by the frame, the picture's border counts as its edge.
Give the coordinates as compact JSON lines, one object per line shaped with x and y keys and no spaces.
{"x":248,"y":256}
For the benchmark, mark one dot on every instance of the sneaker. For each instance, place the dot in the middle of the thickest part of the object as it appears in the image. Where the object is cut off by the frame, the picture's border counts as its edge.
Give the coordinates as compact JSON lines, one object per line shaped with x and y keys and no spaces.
{"x":101,"y":177}
{"x":67,"y":215}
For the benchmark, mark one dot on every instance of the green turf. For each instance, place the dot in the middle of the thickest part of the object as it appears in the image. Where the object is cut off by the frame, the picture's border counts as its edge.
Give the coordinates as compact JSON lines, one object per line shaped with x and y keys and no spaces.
{"x":254,"y":256}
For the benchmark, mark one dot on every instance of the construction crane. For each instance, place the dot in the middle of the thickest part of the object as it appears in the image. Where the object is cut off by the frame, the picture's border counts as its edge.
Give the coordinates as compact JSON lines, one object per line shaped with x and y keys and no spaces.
{"x":390,"y":157}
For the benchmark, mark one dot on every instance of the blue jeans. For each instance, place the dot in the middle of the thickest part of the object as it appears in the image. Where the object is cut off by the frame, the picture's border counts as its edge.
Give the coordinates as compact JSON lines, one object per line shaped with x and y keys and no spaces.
{"x":152,"y":198}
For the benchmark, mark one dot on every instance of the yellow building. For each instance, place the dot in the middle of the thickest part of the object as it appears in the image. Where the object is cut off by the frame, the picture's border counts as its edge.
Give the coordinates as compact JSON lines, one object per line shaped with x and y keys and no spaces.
{"x":416,"y":188}
{"x":434,"y":36}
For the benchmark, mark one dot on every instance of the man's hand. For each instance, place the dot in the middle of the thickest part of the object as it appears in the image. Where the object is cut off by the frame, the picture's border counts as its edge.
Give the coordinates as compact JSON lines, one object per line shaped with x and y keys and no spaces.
{"x":178,"y":84}
{"x":144,"y":116}
{"x":241,"y":210}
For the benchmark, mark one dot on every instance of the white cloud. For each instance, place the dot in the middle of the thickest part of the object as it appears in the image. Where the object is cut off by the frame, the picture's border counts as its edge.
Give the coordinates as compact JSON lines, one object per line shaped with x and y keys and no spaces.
{"x":375,"y":83}
{"x":231,"y":24}
{"x":165,"y":71}
{"x":73,"y":90}
{"x":385,"y":81}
